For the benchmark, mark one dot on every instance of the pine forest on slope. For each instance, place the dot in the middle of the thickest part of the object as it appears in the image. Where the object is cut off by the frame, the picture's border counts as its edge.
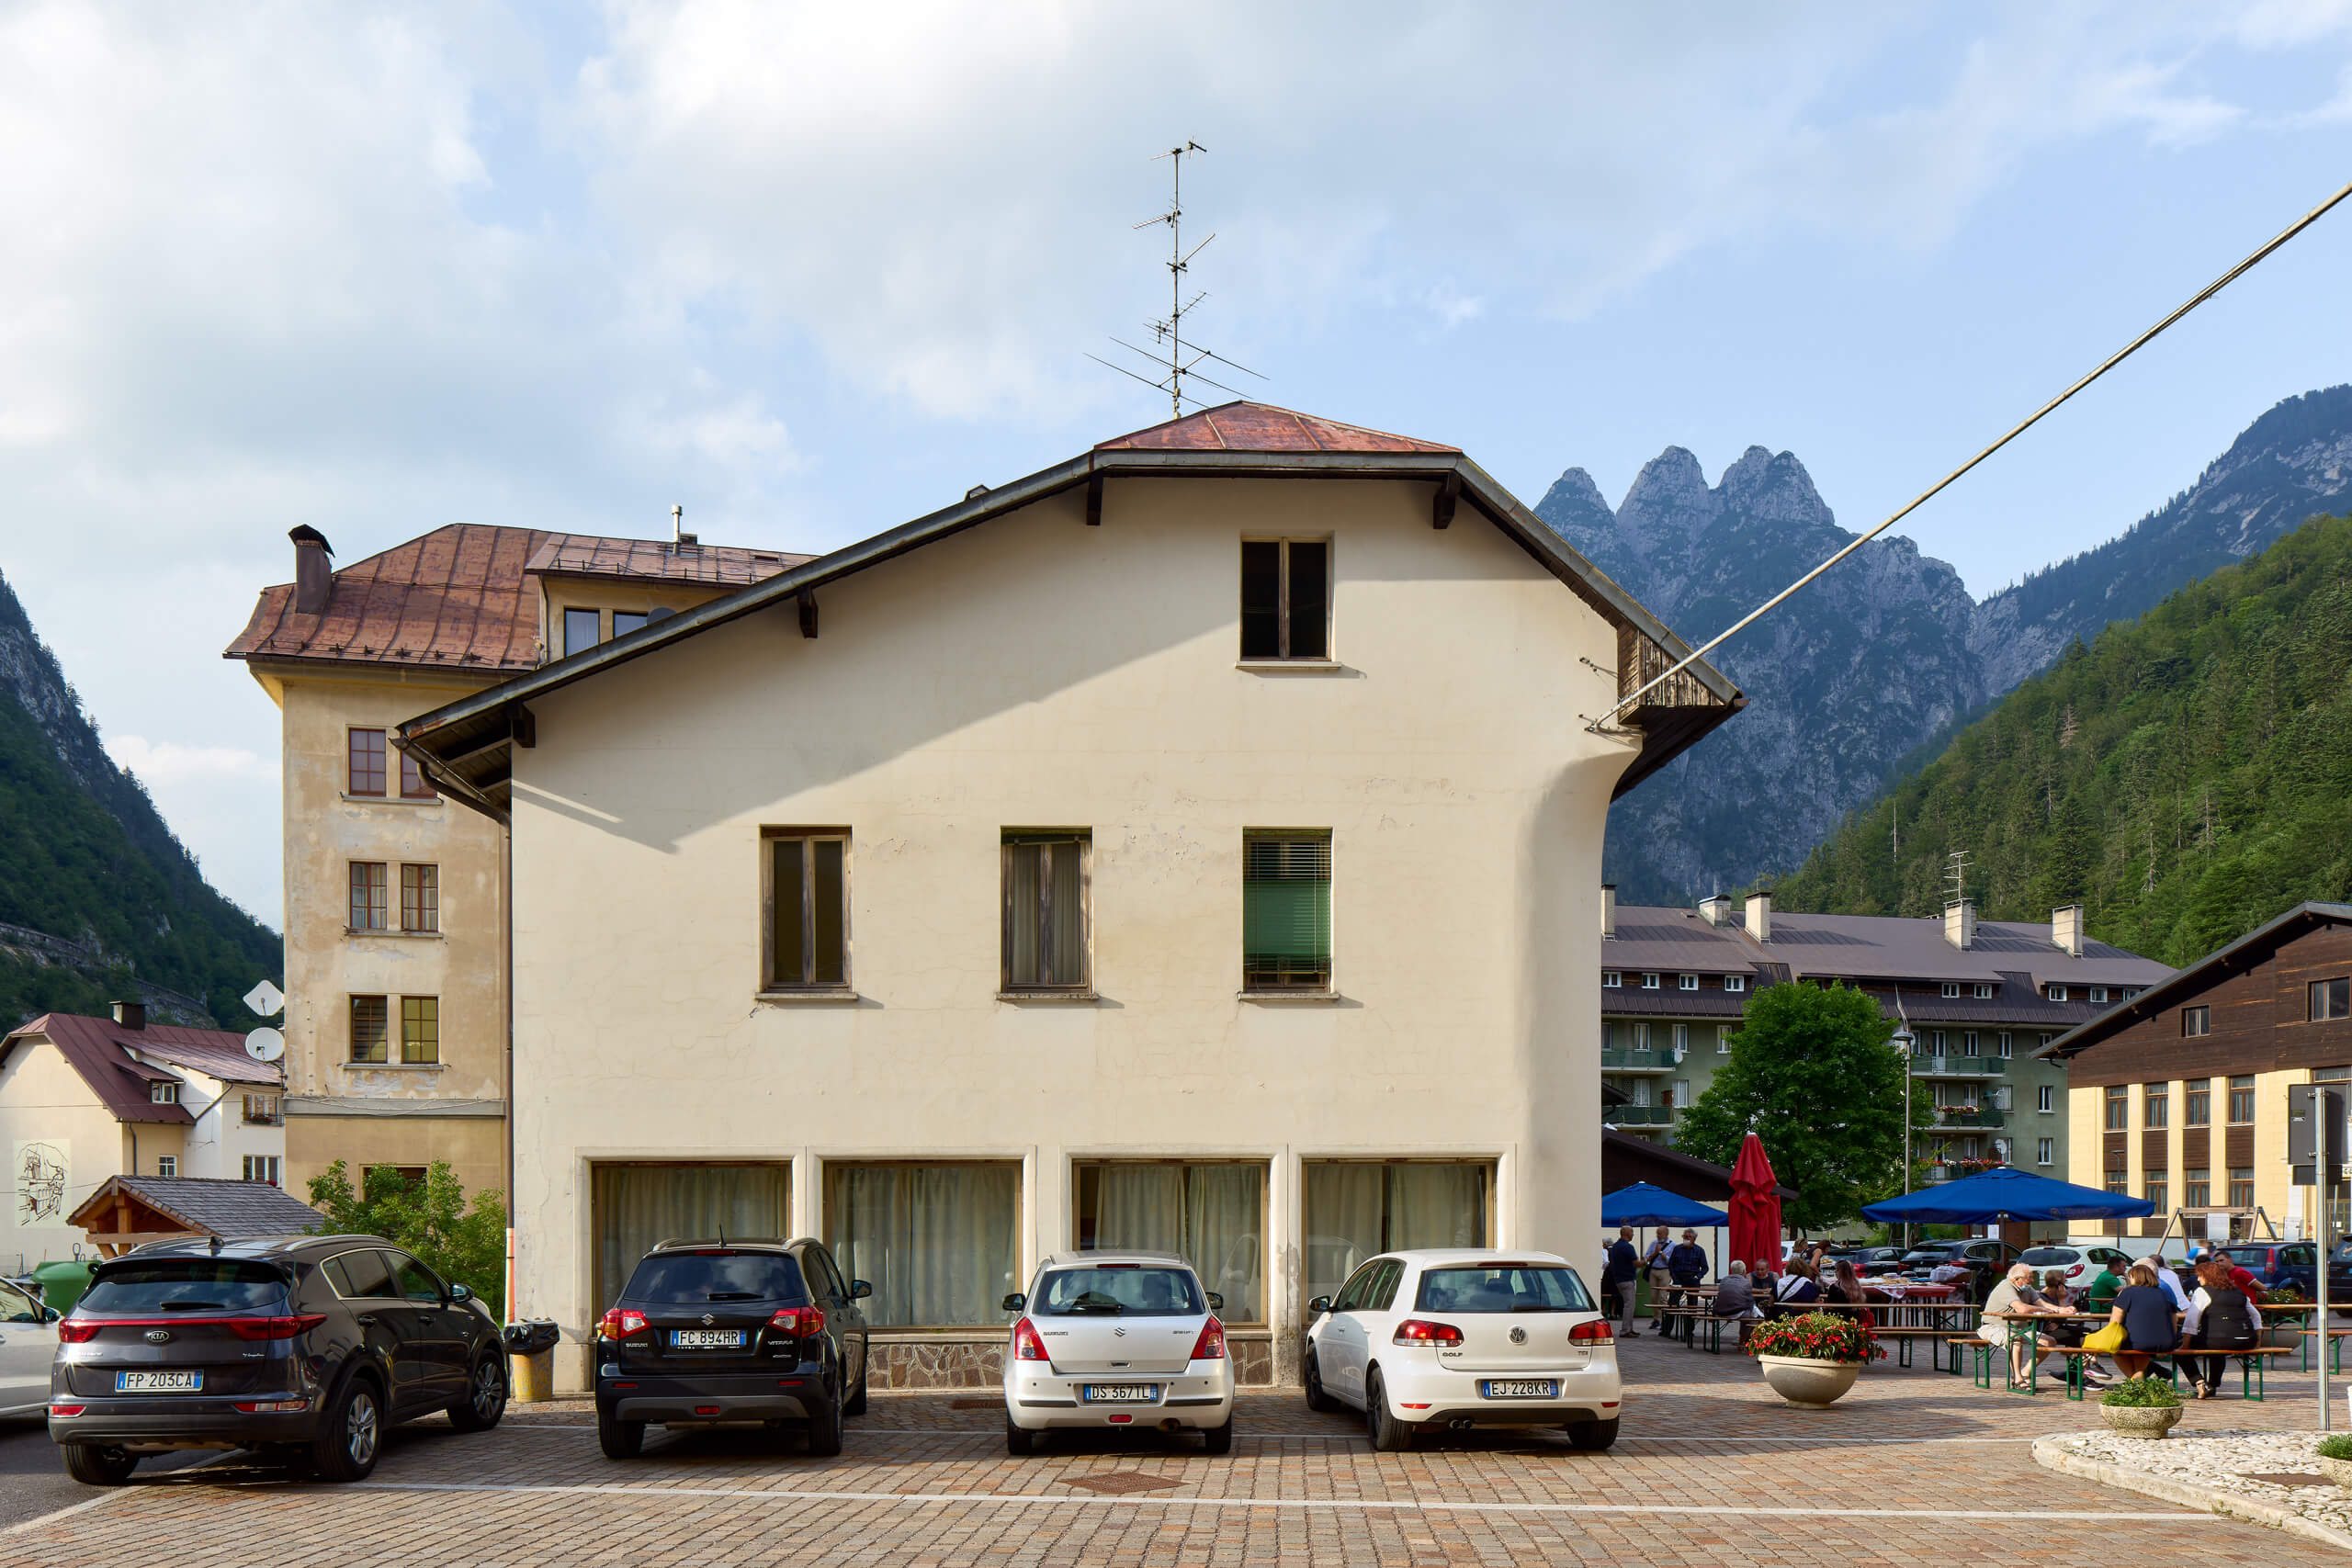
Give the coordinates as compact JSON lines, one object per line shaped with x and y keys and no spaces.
{"x":98,"y":901}
{"x":2188,"y":775}
{"x":1888,"y":653}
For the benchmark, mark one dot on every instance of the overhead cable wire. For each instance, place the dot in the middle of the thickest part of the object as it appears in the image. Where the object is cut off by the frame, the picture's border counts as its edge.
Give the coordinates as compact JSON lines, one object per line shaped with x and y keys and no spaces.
{"x":2126,"y":351}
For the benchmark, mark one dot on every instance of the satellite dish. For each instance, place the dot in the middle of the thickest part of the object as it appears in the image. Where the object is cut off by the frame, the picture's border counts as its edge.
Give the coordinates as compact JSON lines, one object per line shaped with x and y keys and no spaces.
{"x":264,"y":1044}
{"x":265,"y":999}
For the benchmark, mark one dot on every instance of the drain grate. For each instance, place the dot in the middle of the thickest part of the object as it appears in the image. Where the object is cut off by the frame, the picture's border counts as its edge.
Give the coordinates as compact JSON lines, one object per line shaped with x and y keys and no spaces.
{"x":1121,"y":1481}
{"x":2288,"y":1478}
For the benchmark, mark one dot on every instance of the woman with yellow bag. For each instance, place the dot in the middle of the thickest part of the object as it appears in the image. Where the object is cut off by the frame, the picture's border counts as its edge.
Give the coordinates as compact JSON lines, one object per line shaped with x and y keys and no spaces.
{"x":2139,"y":1326}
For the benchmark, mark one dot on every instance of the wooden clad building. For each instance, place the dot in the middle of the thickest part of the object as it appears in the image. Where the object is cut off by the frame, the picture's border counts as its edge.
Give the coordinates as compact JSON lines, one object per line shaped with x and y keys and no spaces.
{"x":2179,"y":1095}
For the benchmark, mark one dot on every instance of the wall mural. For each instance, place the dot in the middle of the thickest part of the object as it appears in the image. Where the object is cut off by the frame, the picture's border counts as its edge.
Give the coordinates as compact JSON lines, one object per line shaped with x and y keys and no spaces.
{"x":40,"y":1176}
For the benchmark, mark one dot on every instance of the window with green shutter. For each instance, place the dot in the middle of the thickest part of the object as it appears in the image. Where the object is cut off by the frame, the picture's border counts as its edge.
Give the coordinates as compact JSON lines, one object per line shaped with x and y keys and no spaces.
{"x":1287,"y":910}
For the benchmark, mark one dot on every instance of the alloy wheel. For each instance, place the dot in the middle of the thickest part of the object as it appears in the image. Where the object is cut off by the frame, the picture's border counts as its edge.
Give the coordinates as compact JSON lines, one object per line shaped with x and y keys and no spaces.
{"x":359,"y":1428}
{"x":489,"y":1391}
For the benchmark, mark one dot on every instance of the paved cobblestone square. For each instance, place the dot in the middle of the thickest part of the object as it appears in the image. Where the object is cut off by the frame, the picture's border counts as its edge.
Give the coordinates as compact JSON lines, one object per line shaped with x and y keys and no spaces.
{"x":1913,"y":1465}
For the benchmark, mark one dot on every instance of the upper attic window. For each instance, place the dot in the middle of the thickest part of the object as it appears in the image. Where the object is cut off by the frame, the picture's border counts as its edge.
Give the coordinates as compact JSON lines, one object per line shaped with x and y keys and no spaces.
{"x":1689,"y":982}
{"x":1611,"y":979}
{"x":583,"y":629}
{"x":2098,"y":993}
{"x":1649,"y":982}
{"x":1285,"y":599}
{"x":627,"y":621}
{"x":164,"y":1093}
{"x":1735,"y":982}
{"x":2331,"y":999}
{"x":1952,"y":987}
{"x":1983,"y":990}
{"x":2055,"y":993}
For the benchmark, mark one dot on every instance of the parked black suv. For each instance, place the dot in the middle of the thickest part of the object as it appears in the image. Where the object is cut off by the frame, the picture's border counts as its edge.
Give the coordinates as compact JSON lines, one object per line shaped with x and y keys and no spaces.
{"x":730,"y":1332}
{"x":1985,"y":1258}
{"x":308,"y":1346}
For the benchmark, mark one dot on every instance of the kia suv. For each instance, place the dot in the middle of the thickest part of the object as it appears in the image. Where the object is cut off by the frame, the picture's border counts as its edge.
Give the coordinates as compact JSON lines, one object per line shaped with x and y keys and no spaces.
{"x":306,"y":1347}
{"x":1116,"y":1342}
{"x":732,"y":1333}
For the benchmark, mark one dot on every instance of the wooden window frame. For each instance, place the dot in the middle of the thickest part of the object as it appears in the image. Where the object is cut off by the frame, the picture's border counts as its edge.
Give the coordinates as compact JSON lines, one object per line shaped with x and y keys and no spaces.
{"x":2115,"y":1113}
{"x":351,"y":759}
{"x":771,"y":984}
{"x":2197,"y":1188}
{"x":351,"y":1030}
{"x":1282,"y":599}
{"x":2319,"y":993}
{"x":2155,"y":1107}
{"x":2196,"y":1023}
{"x":2197,"y":1102}
{"x":1262,"y":984}
{"x":2242,"y":1187}
{"x":563,"y":617}
{"x":1012,"y":839}
{"x":421,"y":1004}
{"x":2247,"y":1088}
{"x":367,"y":910}
{"x":167,"y":1165}
{"x":419,"y":898}
{"x":423,"y":789}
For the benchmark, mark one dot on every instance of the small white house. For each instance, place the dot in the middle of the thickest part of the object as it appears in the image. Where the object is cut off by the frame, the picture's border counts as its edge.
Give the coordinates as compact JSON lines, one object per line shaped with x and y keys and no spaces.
{"x":83,"y":1099}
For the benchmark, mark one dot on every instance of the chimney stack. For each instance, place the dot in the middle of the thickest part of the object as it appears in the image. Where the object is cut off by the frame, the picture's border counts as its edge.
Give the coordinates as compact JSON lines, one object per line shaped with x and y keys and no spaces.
{"x":2066,"y":928}
{"x":313,"y":570}
{"x":1760,"y":915}
{"x":1714,"y":910}
{"x":1608,"y":910}
{"x":131,"y":1015}
{"x":1959,"y":923}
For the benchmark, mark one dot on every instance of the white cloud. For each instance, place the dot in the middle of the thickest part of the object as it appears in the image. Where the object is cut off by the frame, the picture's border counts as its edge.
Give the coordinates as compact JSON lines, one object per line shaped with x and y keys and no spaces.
{"x":162,"y":765}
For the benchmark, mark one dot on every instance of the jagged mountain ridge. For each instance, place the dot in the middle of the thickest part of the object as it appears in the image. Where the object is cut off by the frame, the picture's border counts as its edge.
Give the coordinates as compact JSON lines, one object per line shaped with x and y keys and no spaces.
{"x":97,"y":899}
{"x":1889,"y":652}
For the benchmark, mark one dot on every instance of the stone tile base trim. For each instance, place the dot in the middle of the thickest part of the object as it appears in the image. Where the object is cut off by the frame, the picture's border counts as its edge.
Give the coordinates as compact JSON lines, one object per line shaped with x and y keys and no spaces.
{"x":2210,"y":1472}
{"x":976,"y":1360}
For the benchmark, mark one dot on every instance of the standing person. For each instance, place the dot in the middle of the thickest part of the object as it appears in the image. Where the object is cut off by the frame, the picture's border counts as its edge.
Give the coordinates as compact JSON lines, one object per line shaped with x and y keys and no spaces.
{"x":2221,"y":1317}
{"x":1654,"y":1265}
{"x":1624,"y":1277}
{"x":1687,"y":1264}
{"x":2144,"y":1310}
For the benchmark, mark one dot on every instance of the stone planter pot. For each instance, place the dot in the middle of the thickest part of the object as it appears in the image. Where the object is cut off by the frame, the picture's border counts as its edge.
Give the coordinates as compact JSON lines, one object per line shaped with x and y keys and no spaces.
{"x":1808,"y":1383}
{"x":2336,"y":1470}
{"x":2141,"y":1420}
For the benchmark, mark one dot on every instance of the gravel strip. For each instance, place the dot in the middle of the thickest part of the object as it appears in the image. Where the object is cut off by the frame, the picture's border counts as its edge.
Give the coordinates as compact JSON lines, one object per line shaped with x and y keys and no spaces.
{"x":2213,"y":1471}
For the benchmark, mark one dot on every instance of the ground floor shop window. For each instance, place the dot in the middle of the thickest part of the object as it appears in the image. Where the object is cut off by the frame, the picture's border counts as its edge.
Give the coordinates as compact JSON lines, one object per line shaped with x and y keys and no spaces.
{"x":1213,"y":1215}
{"x":1358,"y":1208}
{"x":633,"y":1206}
{"x":939,"y":1242}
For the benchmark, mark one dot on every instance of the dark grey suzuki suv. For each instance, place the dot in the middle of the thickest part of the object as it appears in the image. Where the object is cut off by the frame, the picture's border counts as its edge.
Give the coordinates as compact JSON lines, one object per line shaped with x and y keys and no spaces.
{"x":307,"y":1346}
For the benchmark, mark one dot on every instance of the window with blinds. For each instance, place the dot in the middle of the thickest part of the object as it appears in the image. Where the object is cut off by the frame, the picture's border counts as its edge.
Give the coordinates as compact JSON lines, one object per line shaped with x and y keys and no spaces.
{"x":370,"y":1028}
{"x":808,"y":877}
{"x":1045,"y":912}
{"x":1287,"y":910}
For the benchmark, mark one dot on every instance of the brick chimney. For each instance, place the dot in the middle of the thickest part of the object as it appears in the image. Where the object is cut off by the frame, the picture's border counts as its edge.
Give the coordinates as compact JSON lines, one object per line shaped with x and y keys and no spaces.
{"x":1608,"y":910}
{"x":1759,"y":914}
{"x":1714,"y":910}
{"x":131,"y":1015}
{"x":313,"y":570}
{"x":1959,"y":923}
{"x":2066,"y":928}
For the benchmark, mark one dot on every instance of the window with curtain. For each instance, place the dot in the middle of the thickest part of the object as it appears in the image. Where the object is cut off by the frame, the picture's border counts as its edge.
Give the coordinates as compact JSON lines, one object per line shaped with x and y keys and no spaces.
{"x":581,"y":630}
{"x":419,"y":898}
{"x":1286,"y":911}
{"x":1045,"y":942}
{"x":1358,"y":1209}
{"x":1212,"y":1215}
{"x":939,"y":1242}
{"x":808,"y":916}
{"x":370,"y":1028}
{"x":368,"y":909}
{"x":634,"y":1206}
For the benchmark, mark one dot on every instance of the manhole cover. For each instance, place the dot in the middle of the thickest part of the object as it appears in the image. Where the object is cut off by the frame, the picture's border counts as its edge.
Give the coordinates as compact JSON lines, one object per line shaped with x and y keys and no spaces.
{"x":2288,"y":1478}
{"x":1120,"y":1481}
{"x":975,"y":1404}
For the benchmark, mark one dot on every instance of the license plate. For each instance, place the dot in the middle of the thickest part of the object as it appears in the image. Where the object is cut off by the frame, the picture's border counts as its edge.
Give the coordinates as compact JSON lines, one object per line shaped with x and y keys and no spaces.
{"x":1519,"y":1388}
{"x":1120,"y":1394}
{"x":706,"y":1338}
{"x":158,"y":1382}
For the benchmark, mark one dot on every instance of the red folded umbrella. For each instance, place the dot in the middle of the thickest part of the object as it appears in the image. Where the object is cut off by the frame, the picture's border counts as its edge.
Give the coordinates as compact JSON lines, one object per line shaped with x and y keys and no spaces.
{"x":1755,"y":1208}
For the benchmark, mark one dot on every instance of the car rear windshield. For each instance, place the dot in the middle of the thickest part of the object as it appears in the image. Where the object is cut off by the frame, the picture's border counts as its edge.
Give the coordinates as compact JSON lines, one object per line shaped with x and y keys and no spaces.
{"x":186,"y":1284}
{"x":695,"y":1277}
{"x":2042,"y":1257}
{"x":1119,"y":1290}
{"x":1503,"y":1287}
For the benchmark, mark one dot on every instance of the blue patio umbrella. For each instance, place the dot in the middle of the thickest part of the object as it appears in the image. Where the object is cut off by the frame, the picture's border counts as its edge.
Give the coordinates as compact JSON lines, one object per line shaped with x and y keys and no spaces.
{"x":1643,"y":1204}
{"x":2002,"y":1193}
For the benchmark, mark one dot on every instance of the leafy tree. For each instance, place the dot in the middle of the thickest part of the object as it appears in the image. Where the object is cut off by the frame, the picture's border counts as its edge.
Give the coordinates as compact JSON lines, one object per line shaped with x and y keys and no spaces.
{"x":1813,"y":1075}
{"x":430,"y":1218}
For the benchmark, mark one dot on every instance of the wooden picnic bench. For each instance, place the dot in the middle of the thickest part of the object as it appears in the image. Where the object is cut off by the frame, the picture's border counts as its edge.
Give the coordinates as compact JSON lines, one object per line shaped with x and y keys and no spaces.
{"x":2308,"y":1337}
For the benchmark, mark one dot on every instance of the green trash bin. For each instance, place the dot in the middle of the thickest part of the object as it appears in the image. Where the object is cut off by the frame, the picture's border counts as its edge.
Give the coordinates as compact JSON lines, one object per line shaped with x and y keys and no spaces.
{"x":61,"y":1282}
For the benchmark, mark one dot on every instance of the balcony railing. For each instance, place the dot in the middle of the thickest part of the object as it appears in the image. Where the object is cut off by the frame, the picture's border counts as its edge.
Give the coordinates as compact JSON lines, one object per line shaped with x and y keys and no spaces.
{"x":1970,"y":1116}
{"x":1627,"y":1059}
{"x":1958,"y":1067}
{"x":1639,"y":1115}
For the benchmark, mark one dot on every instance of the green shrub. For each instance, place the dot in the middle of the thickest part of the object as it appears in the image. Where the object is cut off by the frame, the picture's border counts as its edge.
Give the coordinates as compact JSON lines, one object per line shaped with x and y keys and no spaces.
{"x":464,"y":1243}
{"x":2142,"y":1393}
{"x":2337,"y":1447}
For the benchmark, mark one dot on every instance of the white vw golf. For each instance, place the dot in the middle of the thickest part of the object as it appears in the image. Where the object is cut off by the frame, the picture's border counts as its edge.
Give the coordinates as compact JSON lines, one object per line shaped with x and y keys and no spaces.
{"x":1108,"y":1340}
{"x":1427,"y":1341}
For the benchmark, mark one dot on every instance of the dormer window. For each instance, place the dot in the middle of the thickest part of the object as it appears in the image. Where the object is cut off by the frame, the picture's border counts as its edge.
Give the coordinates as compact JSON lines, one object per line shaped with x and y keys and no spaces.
{"x":2055,"y":993}
{"x":1611,"y":979}
{"x":1983,"y":991}
{"x":2098,"y":993}
{"x":1689,"y":982}
{"x":164,"y":1093}
{"x":1952,"y":987}
{"x":1649,"y":982}
{"x":1735,"y":982}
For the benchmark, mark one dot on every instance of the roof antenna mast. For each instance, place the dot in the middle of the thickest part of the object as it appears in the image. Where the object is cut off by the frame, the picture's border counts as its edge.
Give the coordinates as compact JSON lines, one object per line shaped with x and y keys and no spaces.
{"x":1168,"y":332}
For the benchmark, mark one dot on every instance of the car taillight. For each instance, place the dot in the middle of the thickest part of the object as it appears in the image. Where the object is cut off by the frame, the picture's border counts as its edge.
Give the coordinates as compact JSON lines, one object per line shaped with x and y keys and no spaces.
{"x":1210,"y":1346}
{"x":1597,"y":1332}
{"x":1422,"y":1331}
{"x":73,"y":1331}
{"x":67,"y":1409}
{"x":1026,"y":1345}
{"x":620,"y":1323}
{"x":274,"y":1327}
{"x":799,"y":1323}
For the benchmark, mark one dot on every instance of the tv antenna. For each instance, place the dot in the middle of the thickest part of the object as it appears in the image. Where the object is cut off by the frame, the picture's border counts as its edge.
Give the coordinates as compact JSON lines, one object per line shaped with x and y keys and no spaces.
{"x":1168,"y":332}
{"x":1956,"y":876}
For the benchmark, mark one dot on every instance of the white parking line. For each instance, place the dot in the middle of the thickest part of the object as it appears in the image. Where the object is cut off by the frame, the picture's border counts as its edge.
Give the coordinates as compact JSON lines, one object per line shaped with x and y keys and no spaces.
{"x":1302,"y":1505}
{"x":991,"y":1439}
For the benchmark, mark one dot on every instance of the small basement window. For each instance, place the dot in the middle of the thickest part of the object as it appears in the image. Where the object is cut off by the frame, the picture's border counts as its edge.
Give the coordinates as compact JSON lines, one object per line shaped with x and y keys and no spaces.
{"x":1285,"y":599}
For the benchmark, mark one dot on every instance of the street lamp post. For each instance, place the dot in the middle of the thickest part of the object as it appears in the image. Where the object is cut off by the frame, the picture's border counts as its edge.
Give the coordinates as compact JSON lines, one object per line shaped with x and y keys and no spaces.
{"x":1904,"y":1041}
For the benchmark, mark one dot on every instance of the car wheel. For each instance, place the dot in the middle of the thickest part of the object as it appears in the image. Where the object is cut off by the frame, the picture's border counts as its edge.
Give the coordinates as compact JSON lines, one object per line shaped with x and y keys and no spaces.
{"x":619,"y":1439}
{"x":1019,"y":1441}
{"x":350,"y":1434}
{"x":1317,"y":1396}
{"x":825,"y":1430}
{"x":1217,"y":1439}
{"x":855,"y":1405}
{"x":94,"y":1466}
{"x":1390,"y":1436}
{"x":1591,"y":1436}
{"x":485,"y":1399}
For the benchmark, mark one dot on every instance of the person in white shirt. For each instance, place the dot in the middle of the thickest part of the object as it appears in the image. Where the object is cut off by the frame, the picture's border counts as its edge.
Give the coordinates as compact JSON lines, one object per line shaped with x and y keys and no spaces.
{"x":2219,"y":1317}
{"x":2169,"y":1281}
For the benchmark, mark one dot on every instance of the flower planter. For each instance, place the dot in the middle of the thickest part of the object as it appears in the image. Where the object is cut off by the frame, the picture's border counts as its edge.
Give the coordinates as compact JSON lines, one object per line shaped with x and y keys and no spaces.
{"x":2141,"y":1420}
{"x":1808,"y":1383}
{"x":2336,"y":1470}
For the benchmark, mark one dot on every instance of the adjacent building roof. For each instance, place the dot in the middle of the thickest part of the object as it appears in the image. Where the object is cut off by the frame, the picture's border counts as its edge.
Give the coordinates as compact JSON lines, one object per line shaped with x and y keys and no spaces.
{"x":639,"y":560}
{"x":231,"y":1209}
{"x":99,"y":1049}
{"x":467,"y":746}
{"x":2245,"y":952}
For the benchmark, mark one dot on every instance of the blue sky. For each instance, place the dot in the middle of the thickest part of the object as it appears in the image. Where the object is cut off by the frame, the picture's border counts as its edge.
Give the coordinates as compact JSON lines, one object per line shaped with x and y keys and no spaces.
{"x":811,"y":271}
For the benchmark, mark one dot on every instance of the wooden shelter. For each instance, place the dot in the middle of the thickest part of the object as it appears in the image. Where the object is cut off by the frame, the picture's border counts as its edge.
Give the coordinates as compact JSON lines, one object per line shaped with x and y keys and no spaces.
{"x":131,"y":1211}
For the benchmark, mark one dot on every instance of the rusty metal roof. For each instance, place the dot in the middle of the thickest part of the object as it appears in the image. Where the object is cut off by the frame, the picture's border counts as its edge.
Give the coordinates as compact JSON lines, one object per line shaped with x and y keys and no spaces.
{"x":712,"y":566}
{"x":1262,"y":427}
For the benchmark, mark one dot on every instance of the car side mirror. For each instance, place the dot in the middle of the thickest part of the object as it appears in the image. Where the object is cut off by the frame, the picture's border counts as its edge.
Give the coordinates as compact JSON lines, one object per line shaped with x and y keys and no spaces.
{"x":51,"y":1314}
{"x":859,"y":1289}
{"x":1015,"y":1302}
{"x":460,"y":1293}
{"x":1216,"y":1302}
{"x":1319,"y":1306}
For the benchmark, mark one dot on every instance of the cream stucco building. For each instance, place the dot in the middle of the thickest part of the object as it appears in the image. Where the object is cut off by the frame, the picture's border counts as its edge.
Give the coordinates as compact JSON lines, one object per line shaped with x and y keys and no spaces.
{"x":1195,"y":845}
